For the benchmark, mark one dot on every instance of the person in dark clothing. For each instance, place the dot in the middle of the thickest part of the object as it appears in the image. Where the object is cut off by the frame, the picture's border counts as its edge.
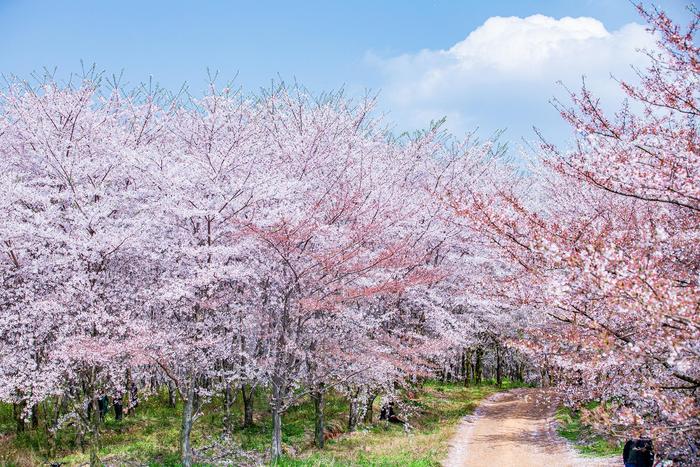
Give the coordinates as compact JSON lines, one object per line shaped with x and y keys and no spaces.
{"x":389,"y":414}
{"x":118,"y":408}
{"x":387,"y":411}
{"x":638,"y":453}
{"x":103,"y":405}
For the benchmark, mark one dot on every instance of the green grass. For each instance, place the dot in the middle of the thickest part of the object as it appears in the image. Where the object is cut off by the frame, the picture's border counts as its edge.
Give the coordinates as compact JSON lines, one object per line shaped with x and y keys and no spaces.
{"x":582,"y":436}
{"x":150,"y":436}
{"x":437,"y":409}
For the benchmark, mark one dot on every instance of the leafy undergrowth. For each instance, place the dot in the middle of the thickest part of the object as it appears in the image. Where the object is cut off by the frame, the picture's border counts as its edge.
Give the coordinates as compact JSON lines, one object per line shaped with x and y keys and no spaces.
{"x":582,"y":436}
{"x":150,"y":436}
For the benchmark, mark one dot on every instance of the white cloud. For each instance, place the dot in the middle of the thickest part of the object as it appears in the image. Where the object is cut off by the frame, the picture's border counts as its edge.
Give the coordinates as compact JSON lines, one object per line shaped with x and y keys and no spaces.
{"x":505,"y":71}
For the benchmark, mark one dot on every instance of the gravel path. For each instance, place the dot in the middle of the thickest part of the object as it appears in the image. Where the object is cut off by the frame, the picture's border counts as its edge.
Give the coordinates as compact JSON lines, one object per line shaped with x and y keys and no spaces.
{"x":515,"y":428}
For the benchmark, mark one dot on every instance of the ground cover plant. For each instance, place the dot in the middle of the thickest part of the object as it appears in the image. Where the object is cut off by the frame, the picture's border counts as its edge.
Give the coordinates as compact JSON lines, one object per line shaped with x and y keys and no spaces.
{"x":149,"y":436}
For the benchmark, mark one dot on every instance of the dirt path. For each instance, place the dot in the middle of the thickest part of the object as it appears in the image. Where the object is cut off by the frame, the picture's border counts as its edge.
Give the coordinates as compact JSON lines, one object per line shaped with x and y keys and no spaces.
{"x":515,"y":428}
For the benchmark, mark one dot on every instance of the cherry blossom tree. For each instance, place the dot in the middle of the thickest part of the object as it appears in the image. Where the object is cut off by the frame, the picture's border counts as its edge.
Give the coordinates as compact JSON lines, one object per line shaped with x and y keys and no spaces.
{"x":202,"y":175}
{"x":327,"y":225}
{"x":71,"y":232}
{"x":603,"y":246}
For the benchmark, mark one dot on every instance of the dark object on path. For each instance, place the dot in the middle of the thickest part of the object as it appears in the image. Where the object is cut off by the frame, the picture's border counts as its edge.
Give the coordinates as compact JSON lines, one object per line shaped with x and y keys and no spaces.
{"x":638,"y":453}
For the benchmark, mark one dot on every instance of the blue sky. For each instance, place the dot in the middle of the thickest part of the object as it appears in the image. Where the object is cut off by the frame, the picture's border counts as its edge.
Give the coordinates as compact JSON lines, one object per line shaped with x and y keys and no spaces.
{"x":408,"y":51}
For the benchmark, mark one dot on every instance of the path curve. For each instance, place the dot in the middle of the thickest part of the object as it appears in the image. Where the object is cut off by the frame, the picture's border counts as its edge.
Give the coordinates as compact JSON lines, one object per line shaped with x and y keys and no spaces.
{"x":515,"y":428}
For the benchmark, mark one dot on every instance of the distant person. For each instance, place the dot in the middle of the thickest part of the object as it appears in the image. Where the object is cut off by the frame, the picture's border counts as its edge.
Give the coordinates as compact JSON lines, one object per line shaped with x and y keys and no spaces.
{"x":103,"y":405}
{"x":638,"y":453}
{"x":118,"y":407}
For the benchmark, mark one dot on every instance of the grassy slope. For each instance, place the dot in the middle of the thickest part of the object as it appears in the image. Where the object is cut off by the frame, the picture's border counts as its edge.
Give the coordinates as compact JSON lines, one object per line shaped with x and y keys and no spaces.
{"x":582,"y":437}
{"x":151,"y":435}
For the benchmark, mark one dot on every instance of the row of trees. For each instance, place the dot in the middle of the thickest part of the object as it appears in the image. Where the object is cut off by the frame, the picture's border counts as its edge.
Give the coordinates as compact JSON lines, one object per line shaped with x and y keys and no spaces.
{"x":292,"y":243}
{"x":221,"y":243}
{"x":603,"y":246}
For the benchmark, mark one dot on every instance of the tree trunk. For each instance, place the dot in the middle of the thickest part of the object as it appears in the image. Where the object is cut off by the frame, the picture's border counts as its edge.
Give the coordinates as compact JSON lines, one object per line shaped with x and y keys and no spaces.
{"x":134,"y":396}
{"x":61,"y":408}
{"x":521,"y":372}
{"x":95,"y":428}
{"x":478,"y":367}
{"x":276,"y":407}
{"x":369,"y":414}
{"x":172,"y":394}
{"x":51,"y":412}
{"x":467,"y":366}
{"x":319,"y":402}
{"x":18,"y":412}
{"x":228,"y":401}
{"x":35,"y":417}
{"x":499,"y":366}
{"x":248,"y":393}
{"x":186,"y":430}
{"x":276,"y":434}
{"x":354,"y":413}
{"x":129,"y":403}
